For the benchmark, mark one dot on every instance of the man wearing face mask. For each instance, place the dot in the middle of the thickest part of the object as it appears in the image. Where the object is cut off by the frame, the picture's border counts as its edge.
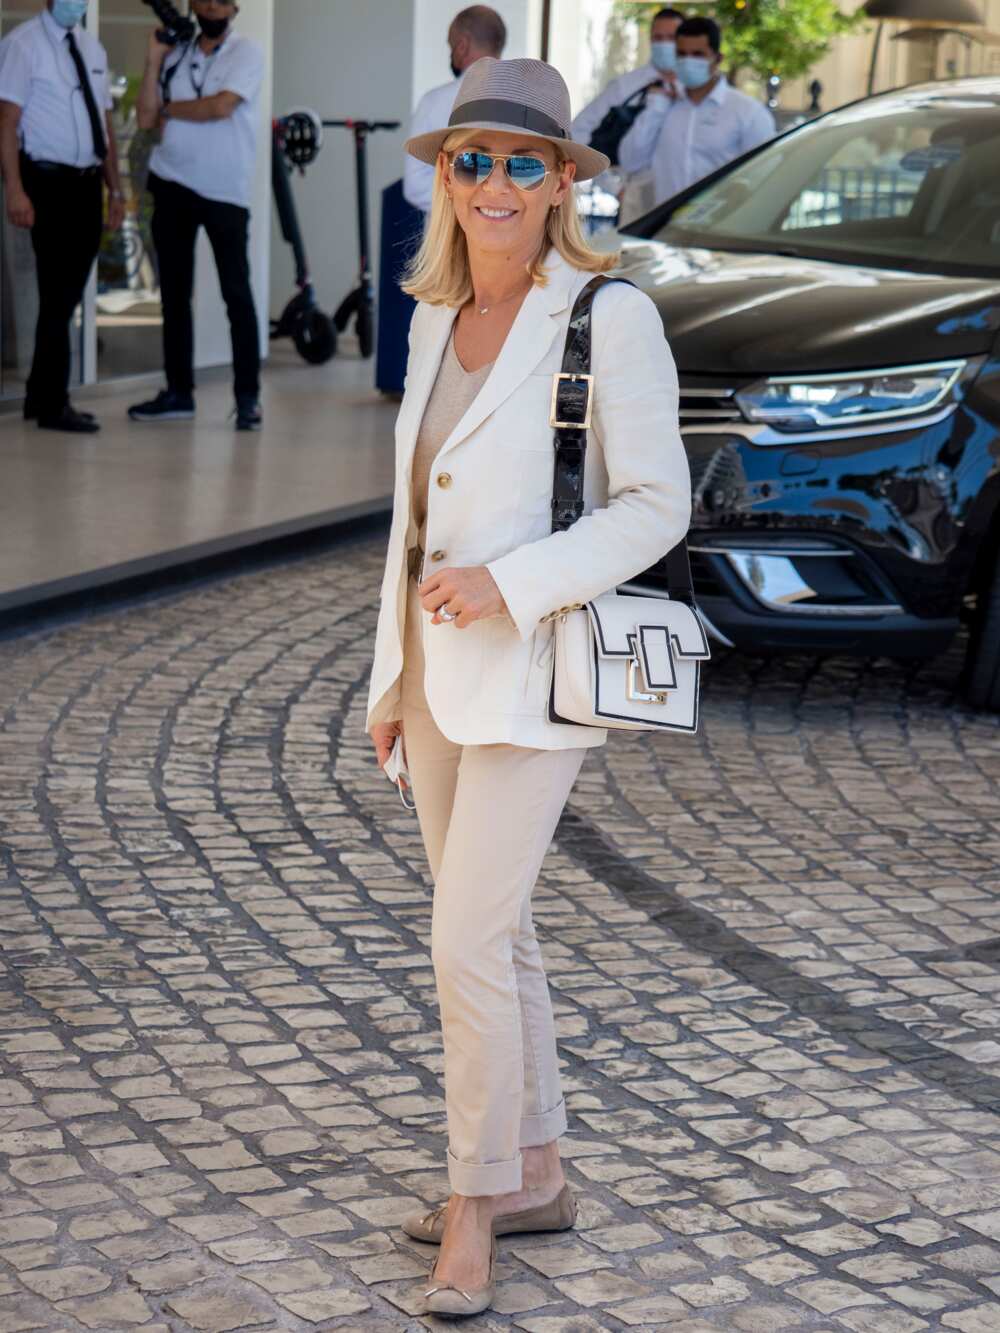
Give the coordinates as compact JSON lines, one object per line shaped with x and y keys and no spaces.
{"x":685,"y":138}
{"x":56,"y":146}
{"x":205,"y":98}
{"x":475,"y":32}
{"x":637,"y":196}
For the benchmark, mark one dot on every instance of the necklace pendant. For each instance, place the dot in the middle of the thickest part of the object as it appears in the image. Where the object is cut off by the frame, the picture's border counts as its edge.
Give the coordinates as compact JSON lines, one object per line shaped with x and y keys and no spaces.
{"x":484,"y":310}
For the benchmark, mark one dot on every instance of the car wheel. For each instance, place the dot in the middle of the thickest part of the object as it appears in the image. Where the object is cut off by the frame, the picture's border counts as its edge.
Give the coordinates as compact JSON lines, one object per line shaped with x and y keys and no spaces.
{"x":982,"y":666}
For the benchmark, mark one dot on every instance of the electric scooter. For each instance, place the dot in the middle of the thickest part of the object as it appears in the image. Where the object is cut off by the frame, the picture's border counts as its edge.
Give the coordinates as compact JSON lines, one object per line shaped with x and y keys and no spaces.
{"x":361,"y":302}
{"x":295,"y":143}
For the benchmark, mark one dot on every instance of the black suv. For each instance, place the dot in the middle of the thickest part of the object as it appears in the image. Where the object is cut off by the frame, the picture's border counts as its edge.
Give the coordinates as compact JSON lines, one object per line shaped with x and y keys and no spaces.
{"x":833,"y":304}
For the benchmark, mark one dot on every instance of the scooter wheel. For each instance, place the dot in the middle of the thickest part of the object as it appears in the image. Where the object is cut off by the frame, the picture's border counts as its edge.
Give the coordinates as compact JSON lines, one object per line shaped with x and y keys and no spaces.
{"x":315,"y":336}
{"x":366,"y":332}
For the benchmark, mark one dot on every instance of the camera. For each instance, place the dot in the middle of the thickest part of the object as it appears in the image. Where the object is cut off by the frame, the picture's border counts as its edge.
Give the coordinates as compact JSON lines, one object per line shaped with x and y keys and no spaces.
{"x":177,"y":27}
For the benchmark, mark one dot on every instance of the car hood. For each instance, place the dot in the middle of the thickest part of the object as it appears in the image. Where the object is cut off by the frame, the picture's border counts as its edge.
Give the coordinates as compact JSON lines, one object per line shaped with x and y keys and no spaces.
{"x":727,"y":313}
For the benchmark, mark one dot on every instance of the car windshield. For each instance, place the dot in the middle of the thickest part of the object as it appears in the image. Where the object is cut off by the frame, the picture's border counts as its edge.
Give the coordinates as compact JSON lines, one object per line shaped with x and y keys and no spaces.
{"x":910,"y":180}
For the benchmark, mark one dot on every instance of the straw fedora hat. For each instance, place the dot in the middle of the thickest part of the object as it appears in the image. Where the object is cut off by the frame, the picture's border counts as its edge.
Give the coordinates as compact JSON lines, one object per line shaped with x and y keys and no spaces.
{"x":524,"y":97}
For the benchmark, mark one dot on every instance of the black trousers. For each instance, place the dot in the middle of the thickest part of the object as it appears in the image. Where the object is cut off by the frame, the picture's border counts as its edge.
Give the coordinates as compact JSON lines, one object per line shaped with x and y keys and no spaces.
{"x":177,"y":214}
{"x":66,"y":236}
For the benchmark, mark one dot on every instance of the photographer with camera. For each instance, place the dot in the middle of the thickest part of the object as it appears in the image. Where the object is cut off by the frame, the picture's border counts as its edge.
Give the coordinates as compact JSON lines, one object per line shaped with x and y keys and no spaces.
{"x":202,"y":89}
{"x":56,"y":146}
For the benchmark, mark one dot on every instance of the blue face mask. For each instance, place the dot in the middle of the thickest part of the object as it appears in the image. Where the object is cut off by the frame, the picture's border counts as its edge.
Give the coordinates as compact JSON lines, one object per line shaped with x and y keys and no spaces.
{"x":68,"y":13}
{"x":694,"y":71}
{"x":664,"y":56}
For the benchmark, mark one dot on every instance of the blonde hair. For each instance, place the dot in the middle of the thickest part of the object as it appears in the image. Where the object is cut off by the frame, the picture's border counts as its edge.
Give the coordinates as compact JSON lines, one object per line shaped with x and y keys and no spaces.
{"x":439,"y":271}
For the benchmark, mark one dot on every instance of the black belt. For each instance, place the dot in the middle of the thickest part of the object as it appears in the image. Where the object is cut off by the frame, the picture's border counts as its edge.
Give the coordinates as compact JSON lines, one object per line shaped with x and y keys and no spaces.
{"x":59,"y":168}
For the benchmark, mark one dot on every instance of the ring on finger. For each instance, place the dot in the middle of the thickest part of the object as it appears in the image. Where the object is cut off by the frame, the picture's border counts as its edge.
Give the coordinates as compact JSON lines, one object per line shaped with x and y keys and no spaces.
{"x":446,"y":615}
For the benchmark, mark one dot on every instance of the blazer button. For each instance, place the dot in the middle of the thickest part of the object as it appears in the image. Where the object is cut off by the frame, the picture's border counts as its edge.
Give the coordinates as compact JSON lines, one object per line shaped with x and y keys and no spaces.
{"x":438,"y":555}
{"x":444,"y":480}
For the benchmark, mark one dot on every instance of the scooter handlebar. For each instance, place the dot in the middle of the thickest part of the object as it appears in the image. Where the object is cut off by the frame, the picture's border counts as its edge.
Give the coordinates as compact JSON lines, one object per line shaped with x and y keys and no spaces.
{"x":365,"y":124}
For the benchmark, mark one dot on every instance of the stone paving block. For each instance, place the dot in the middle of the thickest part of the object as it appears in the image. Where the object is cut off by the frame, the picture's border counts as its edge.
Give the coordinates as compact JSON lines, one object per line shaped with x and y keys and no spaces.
{"x":830,"y":1296}
{"x":61,"y":1283}
{"x":171,"y":1274}
{"x":218,"y":1311}
{"x":318,"y":1306}
{"x":118,"y":1308}
{"x":559,"y":1260}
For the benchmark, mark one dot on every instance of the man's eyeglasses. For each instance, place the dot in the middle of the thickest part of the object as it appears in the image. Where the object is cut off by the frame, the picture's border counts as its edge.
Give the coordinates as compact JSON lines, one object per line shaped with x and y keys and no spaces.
{"x":471,"y":167}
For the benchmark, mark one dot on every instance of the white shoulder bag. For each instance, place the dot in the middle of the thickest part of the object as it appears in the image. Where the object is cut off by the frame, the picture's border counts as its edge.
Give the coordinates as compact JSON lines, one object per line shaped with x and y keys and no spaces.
{"x":621,"y":661}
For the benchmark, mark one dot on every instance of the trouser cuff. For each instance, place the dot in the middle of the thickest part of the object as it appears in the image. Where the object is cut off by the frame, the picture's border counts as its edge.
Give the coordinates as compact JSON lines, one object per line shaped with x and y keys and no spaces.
{"x":477,"y":1178}
{"x":543,"y":1128}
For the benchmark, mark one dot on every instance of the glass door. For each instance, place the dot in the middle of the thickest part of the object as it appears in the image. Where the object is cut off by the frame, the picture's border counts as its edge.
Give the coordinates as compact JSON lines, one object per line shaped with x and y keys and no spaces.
{"x":127,"y":316}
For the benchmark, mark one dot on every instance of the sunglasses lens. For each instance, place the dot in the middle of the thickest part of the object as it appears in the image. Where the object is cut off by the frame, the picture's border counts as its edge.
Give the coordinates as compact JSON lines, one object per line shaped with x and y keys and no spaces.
{"x":472,"y":168}
{"x":527,"y":173}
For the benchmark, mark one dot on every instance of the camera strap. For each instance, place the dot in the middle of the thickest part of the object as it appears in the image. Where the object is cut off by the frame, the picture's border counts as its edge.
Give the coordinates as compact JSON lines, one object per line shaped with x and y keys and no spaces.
{"x":167,"y":72}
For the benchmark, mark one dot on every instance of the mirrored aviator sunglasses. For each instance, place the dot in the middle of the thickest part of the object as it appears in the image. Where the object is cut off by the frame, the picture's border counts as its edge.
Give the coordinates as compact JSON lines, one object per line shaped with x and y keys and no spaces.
{"x":473,"y":168}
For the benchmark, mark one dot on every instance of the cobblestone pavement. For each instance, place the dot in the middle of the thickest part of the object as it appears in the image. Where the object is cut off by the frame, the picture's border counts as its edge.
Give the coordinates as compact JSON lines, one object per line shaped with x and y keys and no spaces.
{"x":774,"y":952}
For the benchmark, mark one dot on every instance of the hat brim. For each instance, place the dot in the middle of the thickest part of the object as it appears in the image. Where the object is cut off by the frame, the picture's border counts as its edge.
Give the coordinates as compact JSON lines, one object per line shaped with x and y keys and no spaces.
{"x":589,"y":162}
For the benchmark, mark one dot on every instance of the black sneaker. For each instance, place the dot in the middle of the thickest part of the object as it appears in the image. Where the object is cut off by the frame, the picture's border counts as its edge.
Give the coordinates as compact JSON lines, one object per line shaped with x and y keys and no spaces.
{"x":166,"y":406}
{"x":248,"y":414}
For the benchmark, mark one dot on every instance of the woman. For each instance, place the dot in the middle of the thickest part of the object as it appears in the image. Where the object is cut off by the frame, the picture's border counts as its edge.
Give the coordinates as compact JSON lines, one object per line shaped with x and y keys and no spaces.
{"x":463,"y":648}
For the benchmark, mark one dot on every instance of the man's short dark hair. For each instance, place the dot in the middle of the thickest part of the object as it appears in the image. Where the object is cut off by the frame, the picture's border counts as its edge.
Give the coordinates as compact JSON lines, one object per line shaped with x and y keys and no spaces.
{"x":667,"y":13}
{"x":484,"y":26}
{"x":702,"y":27}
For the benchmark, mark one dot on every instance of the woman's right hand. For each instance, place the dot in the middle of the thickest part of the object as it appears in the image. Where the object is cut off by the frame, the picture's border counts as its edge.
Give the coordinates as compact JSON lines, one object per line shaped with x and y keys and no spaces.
{"x":383,"y":736}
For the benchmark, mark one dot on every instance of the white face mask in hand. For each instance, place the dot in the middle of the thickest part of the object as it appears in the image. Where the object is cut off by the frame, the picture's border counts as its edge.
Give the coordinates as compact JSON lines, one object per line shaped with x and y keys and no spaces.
{"x":396,"y":771}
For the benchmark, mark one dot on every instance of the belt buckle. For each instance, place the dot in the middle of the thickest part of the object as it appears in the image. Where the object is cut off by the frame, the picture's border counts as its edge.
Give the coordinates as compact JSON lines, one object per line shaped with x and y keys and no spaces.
{"x":582,"y":421}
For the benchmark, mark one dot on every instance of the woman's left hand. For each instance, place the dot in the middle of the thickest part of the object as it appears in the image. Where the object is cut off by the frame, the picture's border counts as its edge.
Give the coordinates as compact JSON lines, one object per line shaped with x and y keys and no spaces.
{"x":469,"y":594}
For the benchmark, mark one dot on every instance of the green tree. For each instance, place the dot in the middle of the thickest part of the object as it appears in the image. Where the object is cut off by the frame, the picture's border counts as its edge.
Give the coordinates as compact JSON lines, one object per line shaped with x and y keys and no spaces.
{"x":785,"y":37}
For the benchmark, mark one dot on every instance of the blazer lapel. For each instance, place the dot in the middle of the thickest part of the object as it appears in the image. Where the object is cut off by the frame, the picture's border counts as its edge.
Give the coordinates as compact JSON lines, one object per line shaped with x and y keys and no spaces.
{"x":529,"y":339}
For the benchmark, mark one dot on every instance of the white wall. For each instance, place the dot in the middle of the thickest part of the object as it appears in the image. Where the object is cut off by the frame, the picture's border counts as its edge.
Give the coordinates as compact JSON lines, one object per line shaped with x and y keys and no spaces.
{"x":371,"y":59}
{"x":340,"y":58}
{"x":432,"y":18}
{"x":211,"y":327}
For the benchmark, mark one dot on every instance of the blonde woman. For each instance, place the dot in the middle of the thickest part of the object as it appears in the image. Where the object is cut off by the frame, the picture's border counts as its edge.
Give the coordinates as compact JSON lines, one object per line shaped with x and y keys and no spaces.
{"x":473,"y":573}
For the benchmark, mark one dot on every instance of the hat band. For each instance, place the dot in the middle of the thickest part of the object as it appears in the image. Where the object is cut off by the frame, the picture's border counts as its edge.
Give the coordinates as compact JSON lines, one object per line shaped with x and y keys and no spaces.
{"x":514,"y":114}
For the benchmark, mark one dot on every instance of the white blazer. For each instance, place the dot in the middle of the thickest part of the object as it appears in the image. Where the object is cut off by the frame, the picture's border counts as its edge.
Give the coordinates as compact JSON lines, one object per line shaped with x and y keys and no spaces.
{"x":489,"y":682}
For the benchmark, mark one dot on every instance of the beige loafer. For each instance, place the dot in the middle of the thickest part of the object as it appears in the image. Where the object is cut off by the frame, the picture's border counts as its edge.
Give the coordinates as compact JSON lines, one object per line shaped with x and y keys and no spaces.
{"x":557,"y":1215}
{"x":442,"y":1298}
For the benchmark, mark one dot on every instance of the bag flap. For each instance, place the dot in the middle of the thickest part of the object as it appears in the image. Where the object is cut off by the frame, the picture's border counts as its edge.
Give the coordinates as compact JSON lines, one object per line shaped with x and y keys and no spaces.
{"x":626,"y":626}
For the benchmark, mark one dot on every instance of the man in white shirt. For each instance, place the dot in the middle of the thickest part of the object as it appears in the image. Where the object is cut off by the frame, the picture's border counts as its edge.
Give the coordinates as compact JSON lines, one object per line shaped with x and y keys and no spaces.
{"x":637,"y":196}
{"x":682,"y":138}
{"x":475,"y":32}
{"x":56,"y":146}
{"x":205,"y":95}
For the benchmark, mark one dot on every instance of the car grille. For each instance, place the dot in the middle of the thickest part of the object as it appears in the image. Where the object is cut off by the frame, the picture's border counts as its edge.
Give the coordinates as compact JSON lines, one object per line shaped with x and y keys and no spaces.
{"x":707,"y":402}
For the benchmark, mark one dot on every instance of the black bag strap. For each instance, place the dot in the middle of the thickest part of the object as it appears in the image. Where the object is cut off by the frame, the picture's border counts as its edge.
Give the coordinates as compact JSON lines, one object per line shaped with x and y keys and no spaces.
{"x":572,"y":403}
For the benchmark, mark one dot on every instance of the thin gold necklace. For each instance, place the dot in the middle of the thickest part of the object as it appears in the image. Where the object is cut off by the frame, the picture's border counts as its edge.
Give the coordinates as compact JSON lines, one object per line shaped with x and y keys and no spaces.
{"x":485,"y":309}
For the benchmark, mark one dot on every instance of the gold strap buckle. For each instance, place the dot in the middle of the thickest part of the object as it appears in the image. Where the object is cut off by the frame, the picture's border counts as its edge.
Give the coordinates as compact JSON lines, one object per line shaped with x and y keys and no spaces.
{"x":574,"y":394}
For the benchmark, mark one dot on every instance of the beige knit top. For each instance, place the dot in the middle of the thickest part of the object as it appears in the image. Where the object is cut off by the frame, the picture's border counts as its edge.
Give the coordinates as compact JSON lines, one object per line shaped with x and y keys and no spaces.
{"x":453,"y":392}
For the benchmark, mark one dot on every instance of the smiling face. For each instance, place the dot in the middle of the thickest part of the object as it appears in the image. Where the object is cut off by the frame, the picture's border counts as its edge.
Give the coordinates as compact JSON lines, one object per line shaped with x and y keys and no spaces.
{"x":496,"y":216}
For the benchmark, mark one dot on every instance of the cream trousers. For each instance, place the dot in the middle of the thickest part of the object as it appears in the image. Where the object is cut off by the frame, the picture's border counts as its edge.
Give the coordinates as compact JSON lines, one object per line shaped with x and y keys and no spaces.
{"x":487,"y":814}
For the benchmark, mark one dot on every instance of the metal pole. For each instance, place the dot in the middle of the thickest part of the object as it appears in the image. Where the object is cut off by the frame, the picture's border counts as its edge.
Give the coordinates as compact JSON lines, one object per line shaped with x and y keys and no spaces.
{"x":360,"y":135}
{"x":546,"y":26}
{"x":871,"y":67}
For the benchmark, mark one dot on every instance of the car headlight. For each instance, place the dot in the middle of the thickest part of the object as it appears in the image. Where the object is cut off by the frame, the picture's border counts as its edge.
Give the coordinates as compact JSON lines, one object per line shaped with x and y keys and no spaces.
{"x":808,"y":402}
